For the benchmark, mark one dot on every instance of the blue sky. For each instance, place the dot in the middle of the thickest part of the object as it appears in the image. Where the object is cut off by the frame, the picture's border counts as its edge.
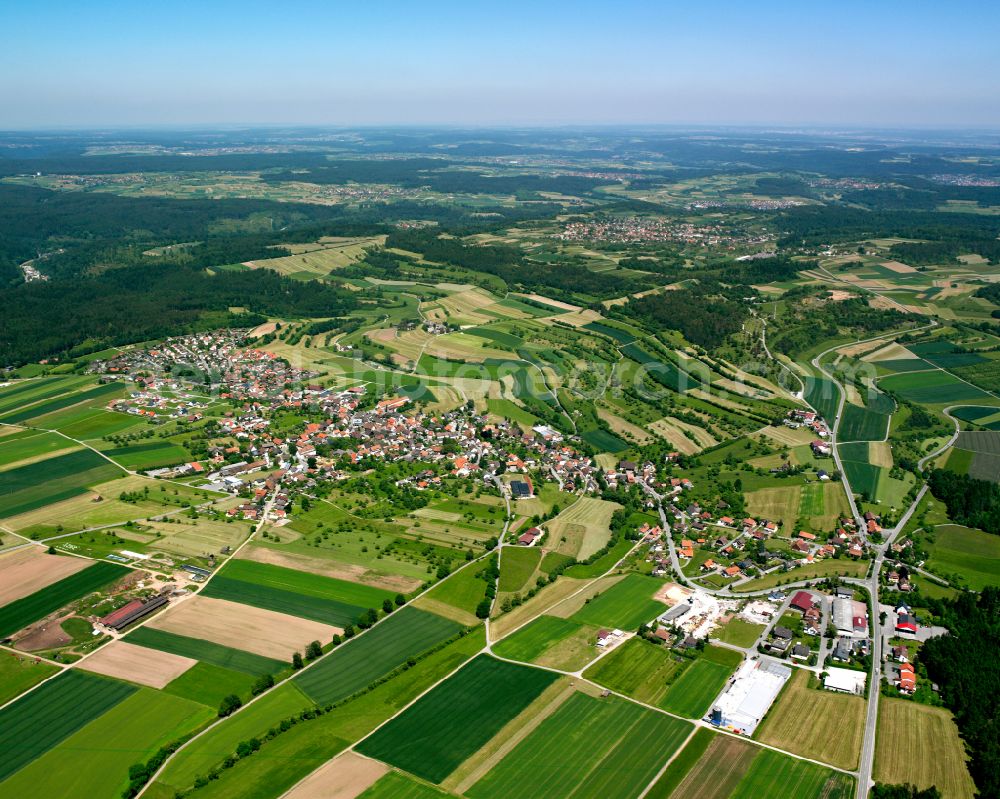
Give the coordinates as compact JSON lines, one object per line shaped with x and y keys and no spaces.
{"x":879,"y":62}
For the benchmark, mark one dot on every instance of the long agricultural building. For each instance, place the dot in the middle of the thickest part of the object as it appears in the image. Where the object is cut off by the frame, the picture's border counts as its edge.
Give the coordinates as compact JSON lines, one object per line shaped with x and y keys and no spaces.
{"x":133,"y":611}
{"x":749,"y":696}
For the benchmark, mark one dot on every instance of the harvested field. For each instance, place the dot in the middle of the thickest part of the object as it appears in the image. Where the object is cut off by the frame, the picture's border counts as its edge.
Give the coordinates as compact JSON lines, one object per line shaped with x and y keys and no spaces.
{"x":801,"y":719}
{"x":26,"y":570}
{"x":345,"y":777}
{"x":920,"y":745}
{"x":880,"y":454}
{"x":896,"y":266}
{"x":553,"y":303}
{"x":585,"y":526}
{"x":890,"y":352}
{"x":719,"y":770}
{"x":621,"y":427}
{"x":137,"y":664}
{"x":263,"y":632}
{"x":328,"y":568}
{"x":788,"y":436}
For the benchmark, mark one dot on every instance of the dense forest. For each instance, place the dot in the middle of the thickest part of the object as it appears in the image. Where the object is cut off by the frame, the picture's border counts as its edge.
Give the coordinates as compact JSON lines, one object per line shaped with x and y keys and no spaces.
{"x":972,"y":502}
{"x":703,"y":317}
{"x":965,"y":665}
{"x":125,"y":305}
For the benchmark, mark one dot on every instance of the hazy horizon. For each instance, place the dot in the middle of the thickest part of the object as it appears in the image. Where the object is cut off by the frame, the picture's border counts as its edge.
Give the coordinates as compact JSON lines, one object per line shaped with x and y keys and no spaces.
{"x":882,"y":66}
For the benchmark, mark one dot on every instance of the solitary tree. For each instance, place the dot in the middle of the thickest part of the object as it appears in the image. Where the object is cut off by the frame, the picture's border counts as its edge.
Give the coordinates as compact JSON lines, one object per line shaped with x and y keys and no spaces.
{"x":314,"y":650}
{"x":229,"y":705}
{"x":297,"y":661}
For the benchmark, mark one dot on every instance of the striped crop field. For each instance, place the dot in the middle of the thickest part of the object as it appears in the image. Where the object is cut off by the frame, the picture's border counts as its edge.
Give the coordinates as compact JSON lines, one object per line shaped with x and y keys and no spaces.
{"x":24,"y":611}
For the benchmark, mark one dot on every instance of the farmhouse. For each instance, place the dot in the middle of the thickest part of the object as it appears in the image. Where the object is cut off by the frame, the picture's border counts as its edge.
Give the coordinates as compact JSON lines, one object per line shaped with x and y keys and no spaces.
{"x":850,"y":617}
{"x":748,"y":698}
{"x":133,"y":611}
{"x":802,"y":601}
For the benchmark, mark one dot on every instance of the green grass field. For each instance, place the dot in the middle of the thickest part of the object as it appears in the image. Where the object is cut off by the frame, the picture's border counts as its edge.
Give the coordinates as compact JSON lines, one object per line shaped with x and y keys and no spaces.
{"x":626,"y":605}
{"x":433,"y":736}
{"x":205,"y":651}
{"x":536,"y":637}
{"x":208,"y":684}
{"x":589,"y":748}
{"x":214,"y":746}
{"x":604,"y":441}
{"x":398,"y":786}
{"x":692,"y":694}
{"x":17,"y":447}
{"x":682,"y":764}
{"x":405,"y":634}
{"x":94,"y":761}
{"x":861,"y":424}
{"x":933,"y":388}
{"x":39,"y":721}
{"x":778,"y":776}
{"x":971,"y":554}
{"x":95,"y":396}
{"x":638,"y":669}
{"x":517,"y":564}
{"x":18,"y":673}
{"x":43,"y":482}
{"x":310,"y":596}
{"x":149,"y":455}
{"x":739,"y":633}
{"x":38,"y":605}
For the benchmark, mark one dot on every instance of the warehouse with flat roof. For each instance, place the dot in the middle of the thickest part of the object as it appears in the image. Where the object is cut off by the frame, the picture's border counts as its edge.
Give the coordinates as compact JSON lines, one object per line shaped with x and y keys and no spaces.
{"x":749,"y":696}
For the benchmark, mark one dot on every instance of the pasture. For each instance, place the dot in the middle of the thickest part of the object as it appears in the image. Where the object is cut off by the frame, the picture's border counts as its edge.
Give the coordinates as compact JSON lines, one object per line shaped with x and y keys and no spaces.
{"x":517,"y":565}
{"x":971,"y":554}
{"x":310,"y":596}
{"x":920,"y":745}
{"x":588,"y":748}
{"x":638,"y":669}
{"x":534,"y":638}
{"x":43,"y":482}
{"x":95,"y":759}
{"x":18,"y":673}
{"x":405,"y":634}
{"x":39,"y":721}
{"x":22,"y":612}
{"x":432,"y":737}
{"x":691,"y":695}
{"x":581,"y":529}
{"x":802,"y":718}
{"x":627,"y":604}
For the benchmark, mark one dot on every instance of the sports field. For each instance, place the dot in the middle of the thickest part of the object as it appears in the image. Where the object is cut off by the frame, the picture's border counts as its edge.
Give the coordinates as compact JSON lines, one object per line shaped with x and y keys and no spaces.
{"x":971,"y":554}
{"x":626,"y":605}
{"x":405,"y":634}
{"x":94,"y":761}
{"x":434,"y":735}
{"x":920,"y":745}
{"x":43,"y":482}
{"x":691,"y":695}
{"x":39,"y":721}
{"x":802,"y":718}
{"x":590,"y":747}
{"x":638,"y":669}
{"x":310,"y":596}
{"x":204,"y":651}
{"x":38,"y":605}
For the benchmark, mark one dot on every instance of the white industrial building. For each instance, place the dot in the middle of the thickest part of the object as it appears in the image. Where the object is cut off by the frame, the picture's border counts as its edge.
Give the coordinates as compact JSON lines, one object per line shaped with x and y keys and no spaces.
{"x":846,"y":680}
{"x":754,"y":688}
